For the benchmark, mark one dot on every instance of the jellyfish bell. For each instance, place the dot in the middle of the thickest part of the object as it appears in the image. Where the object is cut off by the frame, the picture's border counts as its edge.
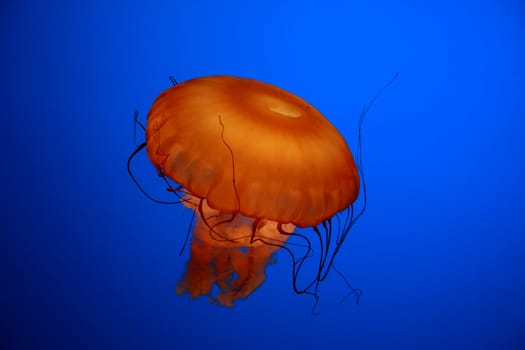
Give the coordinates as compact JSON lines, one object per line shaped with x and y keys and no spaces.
{"x":254,"y":162}
{"x":251,"y":148}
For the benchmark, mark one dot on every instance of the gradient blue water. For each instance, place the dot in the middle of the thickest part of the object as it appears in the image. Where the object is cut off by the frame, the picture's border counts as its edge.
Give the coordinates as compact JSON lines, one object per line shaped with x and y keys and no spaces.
{"x":86,"y":262}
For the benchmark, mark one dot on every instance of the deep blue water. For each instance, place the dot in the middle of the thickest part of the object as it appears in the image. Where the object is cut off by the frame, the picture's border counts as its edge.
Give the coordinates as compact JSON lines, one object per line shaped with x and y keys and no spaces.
{"x":87,"y":262}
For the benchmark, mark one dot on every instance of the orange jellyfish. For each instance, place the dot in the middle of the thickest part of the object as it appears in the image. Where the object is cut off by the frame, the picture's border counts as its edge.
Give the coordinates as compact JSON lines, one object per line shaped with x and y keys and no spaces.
{"x":254,"y":162}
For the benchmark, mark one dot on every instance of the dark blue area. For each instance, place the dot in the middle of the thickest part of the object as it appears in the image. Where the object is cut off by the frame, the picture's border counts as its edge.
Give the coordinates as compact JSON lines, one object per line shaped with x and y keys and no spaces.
{"x":87,"y":262}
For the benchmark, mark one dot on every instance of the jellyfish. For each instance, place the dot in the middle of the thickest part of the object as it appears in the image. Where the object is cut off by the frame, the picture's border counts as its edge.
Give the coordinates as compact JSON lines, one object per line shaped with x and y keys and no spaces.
{"x":254,"y":163}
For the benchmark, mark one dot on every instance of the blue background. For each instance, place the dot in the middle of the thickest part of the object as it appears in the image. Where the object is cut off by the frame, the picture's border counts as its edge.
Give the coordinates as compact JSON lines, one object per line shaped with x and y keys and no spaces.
{"x":87,"y":262}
